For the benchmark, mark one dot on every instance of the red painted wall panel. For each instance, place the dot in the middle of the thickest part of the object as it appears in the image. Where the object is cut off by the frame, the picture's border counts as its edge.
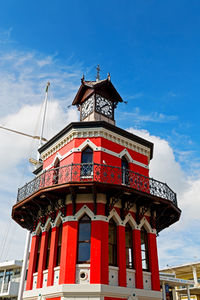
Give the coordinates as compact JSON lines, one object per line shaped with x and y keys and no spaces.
{"x":32,"y":262}
{"x":121,"y":255}
{"x":99,"y":252}
{"x":153,"y":262}
{"x":52,"y":257}
{"x":42,"y":259}
{"x":137,"y":259}
{"x":99,"y":156}
{"x":68,"y":252}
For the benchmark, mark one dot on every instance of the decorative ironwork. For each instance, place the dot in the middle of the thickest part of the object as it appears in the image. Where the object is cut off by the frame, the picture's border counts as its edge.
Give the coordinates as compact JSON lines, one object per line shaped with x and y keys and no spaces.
{"x":97,"y":173}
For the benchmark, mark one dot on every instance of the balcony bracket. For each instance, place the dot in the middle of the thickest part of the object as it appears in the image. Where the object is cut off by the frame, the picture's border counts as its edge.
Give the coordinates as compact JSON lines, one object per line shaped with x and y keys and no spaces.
{"x":153,"y":218}
{"x":60,"y":204}
{"x":114,"y":199}
{"x":107,"y":205}
{"x":94,"y":194}
{"x":73,"y":199}
{"x":140,"y":212}
{"x":122,"y":210}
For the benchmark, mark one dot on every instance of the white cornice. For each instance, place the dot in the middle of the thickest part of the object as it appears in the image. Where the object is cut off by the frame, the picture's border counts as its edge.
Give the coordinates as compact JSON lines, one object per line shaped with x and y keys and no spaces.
{"x":95,"y":132}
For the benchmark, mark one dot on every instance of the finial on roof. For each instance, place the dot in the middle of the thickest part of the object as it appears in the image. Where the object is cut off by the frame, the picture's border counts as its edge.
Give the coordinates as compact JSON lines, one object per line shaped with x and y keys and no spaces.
{"x":98,"y":73}
{"x":83,"y":79}
{"x":108,"y":77}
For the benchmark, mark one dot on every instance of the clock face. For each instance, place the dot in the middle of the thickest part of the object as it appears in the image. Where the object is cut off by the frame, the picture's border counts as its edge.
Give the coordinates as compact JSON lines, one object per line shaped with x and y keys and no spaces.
{"x":87,"y":107}
{"x":104,"y":106}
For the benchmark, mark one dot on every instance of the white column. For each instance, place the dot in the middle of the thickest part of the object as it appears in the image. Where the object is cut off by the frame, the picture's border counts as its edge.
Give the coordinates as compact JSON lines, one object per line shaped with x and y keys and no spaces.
{"x":174,"y":296}
{"x":194,"y":270}
{"x":188,"y":292}
{"x":163,"y":290}
{"x":25,"y":260}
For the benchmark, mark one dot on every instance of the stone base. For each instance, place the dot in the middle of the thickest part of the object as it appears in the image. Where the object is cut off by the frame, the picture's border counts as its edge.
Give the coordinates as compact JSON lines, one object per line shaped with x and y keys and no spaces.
{"x":90,"y":292}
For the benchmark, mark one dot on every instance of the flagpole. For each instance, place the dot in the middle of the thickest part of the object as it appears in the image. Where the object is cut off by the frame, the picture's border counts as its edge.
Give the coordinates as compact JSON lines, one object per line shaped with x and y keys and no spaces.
{"x":28,"y":236}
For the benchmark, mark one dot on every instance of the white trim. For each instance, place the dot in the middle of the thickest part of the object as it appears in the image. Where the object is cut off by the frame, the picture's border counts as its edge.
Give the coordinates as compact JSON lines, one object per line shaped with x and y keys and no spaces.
{"x":80,"y":291}
{"x":100,"y":218}
{"x":95,"y":148}
{"x":84,"y":210}
{"x":47,"y":224}
{"x":57,"y":219}
{"x":126,"y":154}
{"x":113,"y":214}
{"x":129,"y":219}
{"x":97,"y":132}
{"x":38,"y":229}
{"x":57,"y":157}
{"x":146,"y":225}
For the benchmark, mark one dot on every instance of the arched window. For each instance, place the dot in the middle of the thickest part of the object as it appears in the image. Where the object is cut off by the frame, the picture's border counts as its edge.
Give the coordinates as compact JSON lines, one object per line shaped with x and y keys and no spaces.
{"x":38,"y":252}
{"x":48,"y":249}
{"x":129,"y":246}
{"x":112,"y":243}
{"x":56,"y":171}
{"x":125,"y":172}
{"x":144,"y":249}
{"x":59,"y":243}
{"x":84,"y":234}
{"x":87,"y":162}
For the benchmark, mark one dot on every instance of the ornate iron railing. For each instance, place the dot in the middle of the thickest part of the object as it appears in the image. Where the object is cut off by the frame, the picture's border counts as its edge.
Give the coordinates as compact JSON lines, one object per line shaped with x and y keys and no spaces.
{"x":97,"y":173}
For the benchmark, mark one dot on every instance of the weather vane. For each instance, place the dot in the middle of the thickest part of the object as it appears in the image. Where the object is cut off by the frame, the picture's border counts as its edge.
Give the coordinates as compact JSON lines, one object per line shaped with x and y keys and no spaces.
{"x":98,"y":73}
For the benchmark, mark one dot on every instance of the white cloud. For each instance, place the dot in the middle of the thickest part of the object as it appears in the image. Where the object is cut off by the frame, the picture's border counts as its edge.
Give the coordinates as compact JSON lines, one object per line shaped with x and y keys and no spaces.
{"x":179,"y":243}
{"x":140,"y":118}
{"x":23,"y":78}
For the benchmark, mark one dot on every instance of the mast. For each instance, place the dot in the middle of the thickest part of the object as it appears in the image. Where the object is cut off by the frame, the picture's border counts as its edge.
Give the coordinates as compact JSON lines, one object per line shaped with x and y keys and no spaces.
{"x":28,"y":235}
{"x":44,"y":116}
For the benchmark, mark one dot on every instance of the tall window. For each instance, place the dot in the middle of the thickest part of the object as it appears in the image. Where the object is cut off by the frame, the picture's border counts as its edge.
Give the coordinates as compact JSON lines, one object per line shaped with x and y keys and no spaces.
{"x":1,"y":279}
{"x":144,"y":249}
{"x":38,"y":252}
{"x":129,"y":246}
{"x":125,"y":172}
{"x":87,"y":162}
{"x":56,"y":172}
{"x":84,"y":233}
{"x":48,"y":249}
{"x":7,"y":279}
{"x":112,"y":243}
{"x":59,"y":244}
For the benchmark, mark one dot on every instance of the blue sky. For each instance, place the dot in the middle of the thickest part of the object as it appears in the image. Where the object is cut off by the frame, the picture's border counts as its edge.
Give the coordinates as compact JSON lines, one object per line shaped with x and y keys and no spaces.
{"x":151,"y":48}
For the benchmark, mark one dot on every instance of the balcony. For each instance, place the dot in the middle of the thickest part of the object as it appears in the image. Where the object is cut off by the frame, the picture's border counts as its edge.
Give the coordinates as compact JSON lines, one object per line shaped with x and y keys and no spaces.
{"x":91,"y":173}
{"x":9,"y":289}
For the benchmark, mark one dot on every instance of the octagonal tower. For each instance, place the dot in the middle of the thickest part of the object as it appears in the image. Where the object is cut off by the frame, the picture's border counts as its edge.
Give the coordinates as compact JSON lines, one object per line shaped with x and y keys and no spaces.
{"x":93,"y":210}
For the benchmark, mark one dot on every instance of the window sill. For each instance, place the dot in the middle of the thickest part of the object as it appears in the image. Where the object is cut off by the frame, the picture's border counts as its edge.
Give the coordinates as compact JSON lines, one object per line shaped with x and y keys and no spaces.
{"x":130,"y":270}
{"x":83,"y":265}
{"x":146,"y":272}
{"x":113,"y":267}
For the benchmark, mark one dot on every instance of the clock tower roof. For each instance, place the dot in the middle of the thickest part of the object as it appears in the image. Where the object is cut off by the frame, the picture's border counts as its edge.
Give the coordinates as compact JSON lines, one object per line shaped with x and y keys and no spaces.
{"x":104,"y":88}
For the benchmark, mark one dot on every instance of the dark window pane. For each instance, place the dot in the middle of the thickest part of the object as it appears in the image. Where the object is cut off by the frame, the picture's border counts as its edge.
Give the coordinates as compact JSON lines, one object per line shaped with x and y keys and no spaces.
{"x":84,"y":252}
{"x":112,"y":240}
{"x":84,"y":231}
{"x":59,"y":245}
{"x":87,"y":156}
{"x":144,"y":249}
{"x":84,"y":239}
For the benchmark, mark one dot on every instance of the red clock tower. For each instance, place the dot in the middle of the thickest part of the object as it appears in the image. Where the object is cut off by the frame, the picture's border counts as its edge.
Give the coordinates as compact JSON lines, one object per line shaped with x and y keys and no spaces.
{"x":92,"y":209}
